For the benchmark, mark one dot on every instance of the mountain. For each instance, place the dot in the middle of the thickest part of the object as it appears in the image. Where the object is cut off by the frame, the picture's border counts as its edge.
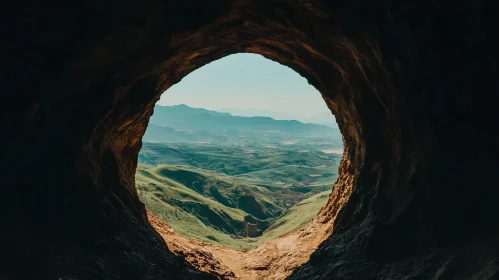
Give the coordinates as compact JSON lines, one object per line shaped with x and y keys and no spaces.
{"x":195,"y":120}
{"x":156,"y":133}
{"x":252,"y":112}
{"x":325,"y":118}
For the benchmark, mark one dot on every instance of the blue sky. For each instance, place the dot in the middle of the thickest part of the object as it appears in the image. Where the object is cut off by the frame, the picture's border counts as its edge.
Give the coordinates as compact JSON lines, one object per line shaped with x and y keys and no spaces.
{"x":244,"y":81}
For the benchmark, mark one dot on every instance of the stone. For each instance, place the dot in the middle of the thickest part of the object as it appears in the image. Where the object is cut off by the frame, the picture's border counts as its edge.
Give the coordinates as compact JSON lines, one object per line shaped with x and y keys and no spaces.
{"x":412,"y":86}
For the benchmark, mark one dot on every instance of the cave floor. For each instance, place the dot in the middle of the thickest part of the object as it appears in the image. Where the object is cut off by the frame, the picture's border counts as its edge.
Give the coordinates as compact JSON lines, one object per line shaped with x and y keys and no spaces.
{"x":275,"y":259}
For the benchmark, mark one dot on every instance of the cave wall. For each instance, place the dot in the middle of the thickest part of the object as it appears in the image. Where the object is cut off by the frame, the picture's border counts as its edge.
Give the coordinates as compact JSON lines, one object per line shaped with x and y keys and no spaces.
{"x":411,"y":86}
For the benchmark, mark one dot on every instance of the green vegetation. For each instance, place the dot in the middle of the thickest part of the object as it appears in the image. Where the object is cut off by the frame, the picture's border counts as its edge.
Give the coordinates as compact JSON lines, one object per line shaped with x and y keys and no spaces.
{"x":203,"y":217}
{"x":208,"y":188}
{"x":188,"y":212}
{"x":296,"y":217}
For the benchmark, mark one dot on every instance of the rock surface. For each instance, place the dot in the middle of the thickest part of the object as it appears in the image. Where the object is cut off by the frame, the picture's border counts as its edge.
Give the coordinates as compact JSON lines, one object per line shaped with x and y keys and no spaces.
{"x":412,"y":85}
{"x":275,"y":259}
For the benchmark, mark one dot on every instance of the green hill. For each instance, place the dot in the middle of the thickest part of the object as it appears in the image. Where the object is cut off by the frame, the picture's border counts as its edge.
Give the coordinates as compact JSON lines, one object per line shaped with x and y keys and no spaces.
{"x":296,"y":217}
{"x":220,"y":189}
{"x":210,"y":209}
{"x":195,"y":215}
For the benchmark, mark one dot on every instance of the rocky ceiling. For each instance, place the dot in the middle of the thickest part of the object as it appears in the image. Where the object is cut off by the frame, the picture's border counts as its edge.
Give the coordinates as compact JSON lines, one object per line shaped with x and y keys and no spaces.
{"x":412,"y":84}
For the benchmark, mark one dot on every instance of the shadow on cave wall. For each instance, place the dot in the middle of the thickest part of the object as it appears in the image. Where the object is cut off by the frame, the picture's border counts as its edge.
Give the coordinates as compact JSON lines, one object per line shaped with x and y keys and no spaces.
{"x":411,"y":85}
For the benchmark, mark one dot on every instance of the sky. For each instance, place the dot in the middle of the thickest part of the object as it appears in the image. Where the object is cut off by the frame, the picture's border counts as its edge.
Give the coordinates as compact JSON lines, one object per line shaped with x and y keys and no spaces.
{"x":246,"y":81}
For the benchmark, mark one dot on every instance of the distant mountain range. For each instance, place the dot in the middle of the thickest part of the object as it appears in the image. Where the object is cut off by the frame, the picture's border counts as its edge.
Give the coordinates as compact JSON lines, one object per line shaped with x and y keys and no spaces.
{"x":181,"y":123}
{"x":251,"y":112}
{"x":325,"y":118}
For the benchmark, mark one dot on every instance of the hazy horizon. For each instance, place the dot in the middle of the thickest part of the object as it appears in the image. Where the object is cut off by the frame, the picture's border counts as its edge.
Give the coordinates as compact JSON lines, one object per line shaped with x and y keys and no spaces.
{"x":248,"y":84}
{"x":325,"y":118}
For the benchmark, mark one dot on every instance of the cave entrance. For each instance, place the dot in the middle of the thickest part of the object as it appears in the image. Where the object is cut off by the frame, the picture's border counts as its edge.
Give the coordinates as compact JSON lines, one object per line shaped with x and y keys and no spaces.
{"x":412,"y":95}
{"x":242,"y":153}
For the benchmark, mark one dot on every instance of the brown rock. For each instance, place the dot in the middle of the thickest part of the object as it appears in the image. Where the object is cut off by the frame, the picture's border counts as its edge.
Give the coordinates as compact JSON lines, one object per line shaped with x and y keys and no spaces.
{"x":413,"y":87}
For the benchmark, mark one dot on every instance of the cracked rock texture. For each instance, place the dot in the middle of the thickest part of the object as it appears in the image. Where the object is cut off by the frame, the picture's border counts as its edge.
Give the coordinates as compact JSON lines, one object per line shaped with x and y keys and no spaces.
{"x":412,"y":84}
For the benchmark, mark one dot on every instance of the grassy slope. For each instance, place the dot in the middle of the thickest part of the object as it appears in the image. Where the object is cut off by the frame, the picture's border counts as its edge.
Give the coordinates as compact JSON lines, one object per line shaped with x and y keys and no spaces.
{"x":168,"y":199}
{"x":189,"y":212}
{"x":202,"y":204}
{"x":189,"y":225}
{"x":296,"y":217}
{"x":222,"y":188}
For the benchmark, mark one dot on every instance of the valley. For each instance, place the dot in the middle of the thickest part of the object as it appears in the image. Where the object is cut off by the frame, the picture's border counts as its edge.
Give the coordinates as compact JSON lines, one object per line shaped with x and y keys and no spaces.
{"x":210,"y":186}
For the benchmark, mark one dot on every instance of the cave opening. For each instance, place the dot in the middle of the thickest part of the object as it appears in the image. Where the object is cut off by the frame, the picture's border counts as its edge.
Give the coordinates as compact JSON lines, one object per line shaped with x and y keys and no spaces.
{"x":410,"y":84}
{"x":238,"y":160}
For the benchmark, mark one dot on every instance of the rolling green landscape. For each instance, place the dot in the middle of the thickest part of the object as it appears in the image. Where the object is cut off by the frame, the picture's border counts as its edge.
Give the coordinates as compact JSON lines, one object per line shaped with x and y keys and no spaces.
{"x":207,"y":173}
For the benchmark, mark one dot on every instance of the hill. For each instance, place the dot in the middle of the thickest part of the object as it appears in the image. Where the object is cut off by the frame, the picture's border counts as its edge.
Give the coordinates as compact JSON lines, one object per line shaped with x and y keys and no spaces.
{"x":254,"y":112}
{"x":211,"y":208}
{"x":325,"y":118}
{"x":248,"y":163}
{"x":197,"y":120}
{"x":203,"y":213}
{"x":296,"y":217}
{"x":183,"y":124}
{"x":165,"y":134}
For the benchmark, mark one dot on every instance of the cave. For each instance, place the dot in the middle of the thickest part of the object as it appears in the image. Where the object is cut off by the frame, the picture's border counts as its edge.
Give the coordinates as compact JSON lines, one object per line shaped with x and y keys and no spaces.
{"x":411,"y":85}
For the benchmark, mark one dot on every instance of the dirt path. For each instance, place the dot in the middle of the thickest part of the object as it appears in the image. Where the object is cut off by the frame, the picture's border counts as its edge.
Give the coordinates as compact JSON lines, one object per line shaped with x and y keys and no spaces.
{"x":275,"y":259}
